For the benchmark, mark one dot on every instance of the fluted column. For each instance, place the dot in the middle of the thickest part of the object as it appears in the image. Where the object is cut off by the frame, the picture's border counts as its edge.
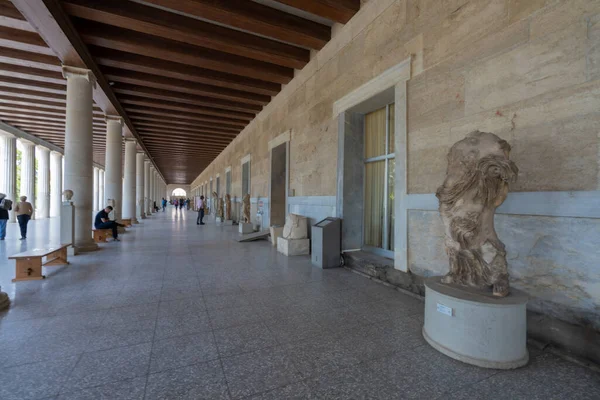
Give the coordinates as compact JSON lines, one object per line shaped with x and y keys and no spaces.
{"x":8,"y":163}
{"x":28,"y":173}
{"x":101,"y":204}
{"x":113,"y":184}
{"x":139,"y":185}
{"x":96,"y":178}
{"x":56,"y":174}
{"x":79,"y":152}
{"x":129,"y":181}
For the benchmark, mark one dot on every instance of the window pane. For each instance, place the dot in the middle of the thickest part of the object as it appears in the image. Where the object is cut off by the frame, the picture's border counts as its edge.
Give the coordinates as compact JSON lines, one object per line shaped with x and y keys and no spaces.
{"x":391,"y":176}
{"x":375,"y":133}
{"x":374,"y":181}
{"x":392,"y":128}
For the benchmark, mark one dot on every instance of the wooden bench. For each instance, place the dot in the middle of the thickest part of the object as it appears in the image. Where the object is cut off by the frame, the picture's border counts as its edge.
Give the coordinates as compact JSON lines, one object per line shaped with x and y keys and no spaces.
{"x":29,"y":263}
{"x":100,"y":235}
{"x":126,"y":222}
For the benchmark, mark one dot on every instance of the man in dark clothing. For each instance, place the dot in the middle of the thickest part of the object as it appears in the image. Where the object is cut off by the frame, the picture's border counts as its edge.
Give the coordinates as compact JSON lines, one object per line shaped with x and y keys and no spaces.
{"x":103,"y":222}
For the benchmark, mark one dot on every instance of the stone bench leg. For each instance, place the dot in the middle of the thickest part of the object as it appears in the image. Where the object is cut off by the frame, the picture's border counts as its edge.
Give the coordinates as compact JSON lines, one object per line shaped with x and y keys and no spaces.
{"x":28,"y":269}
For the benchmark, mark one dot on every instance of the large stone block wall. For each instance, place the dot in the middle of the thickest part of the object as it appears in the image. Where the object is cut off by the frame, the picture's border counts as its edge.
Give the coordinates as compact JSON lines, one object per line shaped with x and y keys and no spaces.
{"x":528,"y":71}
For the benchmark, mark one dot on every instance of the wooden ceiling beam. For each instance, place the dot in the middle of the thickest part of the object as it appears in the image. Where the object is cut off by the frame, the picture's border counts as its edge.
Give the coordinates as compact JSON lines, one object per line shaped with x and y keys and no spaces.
{"x":28,"y":59}
{"x":176,"y":98}
{"x":5,"y":99}
{"x":180,"y":86}
{"x":335,"y":10}
{"x":201,"y":128}
{"x":39,"y":111}
{"x":169,"y":69}
{"x":33,"y":94}
{"x":154,"y":21}
{"x":209,"y":138}
{"x":255,"y":18}
{"x":23,"y":40}
{"x":164,"y":49}
{"x":35,"y":74}
{"x":145,"y":106}
{"x":59,"y":124}
{"x":41,"y":118}
{"x":25,"y":84}
{"x":230,"y":122}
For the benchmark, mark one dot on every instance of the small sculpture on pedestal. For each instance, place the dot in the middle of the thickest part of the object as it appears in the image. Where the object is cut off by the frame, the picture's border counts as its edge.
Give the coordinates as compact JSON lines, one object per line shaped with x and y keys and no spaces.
{"x":477,"y":178}
{"x":68,"y":194}
{"x":227,"y":207}
{"x":246,"y":210}
{"x":220,"y":211}
{"x":213,"y":203}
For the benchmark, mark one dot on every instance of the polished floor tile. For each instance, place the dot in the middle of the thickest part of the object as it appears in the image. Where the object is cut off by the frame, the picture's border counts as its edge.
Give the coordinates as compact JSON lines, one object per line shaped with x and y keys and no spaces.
{"x":179,"y":311}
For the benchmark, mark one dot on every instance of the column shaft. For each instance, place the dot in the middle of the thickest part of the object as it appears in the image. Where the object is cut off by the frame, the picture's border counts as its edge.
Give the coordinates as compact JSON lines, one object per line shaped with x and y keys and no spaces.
{"x":151,"y":193}
{"x":55,"y":184}
{"x":95,"y":198}
{"x":129,"y":181}
{"x":79,"y":173}
{"x":139,"y":185}
{"x":28,"y":174}
{"x":101,"y":189}
{"x":9,"y":170}
{"x":43,"y":182}
{"x":147,"y":187}
{"x":112,"y":175}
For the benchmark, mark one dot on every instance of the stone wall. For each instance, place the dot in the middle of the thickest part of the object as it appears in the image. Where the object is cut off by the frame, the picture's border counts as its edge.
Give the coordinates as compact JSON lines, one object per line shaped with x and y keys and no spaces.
{"x":528,"y":71}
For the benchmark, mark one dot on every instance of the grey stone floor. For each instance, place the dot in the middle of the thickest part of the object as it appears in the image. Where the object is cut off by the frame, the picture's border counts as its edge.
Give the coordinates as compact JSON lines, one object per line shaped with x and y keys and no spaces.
{"x":180,"y":311}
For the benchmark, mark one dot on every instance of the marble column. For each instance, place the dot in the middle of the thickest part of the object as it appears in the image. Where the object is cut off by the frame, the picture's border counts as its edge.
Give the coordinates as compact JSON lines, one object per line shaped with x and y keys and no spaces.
{"x":55,"y":183}
{"x":151,"y":190}
{"x":113,"y":184}
{"x":96,"y":183}
{"x":43,"y":182}
{"x":129,"y":181}
{"x":139,"y":185}
{"x":79,"y":173}
{"x":147,"y":187}
{"x":101,"y":204}
{"x":28,"y":173}
{"x":8,"y":163}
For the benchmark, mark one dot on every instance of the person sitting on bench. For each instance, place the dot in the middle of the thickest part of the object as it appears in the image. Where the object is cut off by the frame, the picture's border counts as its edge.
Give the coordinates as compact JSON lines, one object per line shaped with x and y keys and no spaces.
{"x":103,"y":222}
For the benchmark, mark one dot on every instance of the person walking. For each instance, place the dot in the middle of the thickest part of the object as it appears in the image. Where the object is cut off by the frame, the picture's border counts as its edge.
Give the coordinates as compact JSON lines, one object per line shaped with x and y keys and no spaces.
{"x":5,"y":207}
{"x":102,"y":221}
{"x":164,"y":204}
{"x":24,"y":211}
{"x":200,"y":207}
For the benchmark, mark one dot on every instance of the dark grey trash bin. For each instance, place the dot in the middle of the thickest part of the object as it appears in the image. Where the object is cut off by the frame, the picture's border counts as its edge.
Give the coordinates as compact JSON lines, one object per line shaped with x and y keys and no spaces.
{"x":326,"y":237}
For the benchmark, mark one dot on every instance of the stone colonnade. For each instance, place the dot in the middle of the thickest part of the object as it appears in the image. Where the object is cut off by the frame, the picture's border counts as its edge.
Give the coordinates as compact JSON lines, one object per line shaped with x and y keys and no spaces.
{"x":132,"y":190}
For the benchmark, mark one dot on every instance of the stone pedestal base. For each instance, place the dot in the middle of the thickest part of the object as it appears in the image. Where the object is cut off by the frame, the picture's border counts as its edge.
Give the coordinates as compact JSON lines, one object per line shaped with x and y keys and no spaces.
{"x":293,"y":247}
{"x":4,"y":301}
{"x":276,"y":232}
{"x":476,"y":328}
{"x":245,"y":228}
{"x":227,"y":222}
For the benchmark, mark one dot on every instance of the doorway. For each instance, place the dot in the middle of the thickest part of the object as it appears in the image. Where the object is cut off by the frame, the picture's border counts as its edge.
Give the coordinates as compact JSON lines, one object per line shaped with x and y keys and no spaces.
{"x":279,"y":184}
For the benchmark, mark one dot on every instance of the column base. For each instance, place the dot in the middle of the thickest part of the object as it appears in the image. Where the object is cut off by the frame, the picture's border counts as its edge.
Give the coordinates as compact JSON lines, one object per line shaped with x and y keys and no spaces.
{"x":85,"y":247}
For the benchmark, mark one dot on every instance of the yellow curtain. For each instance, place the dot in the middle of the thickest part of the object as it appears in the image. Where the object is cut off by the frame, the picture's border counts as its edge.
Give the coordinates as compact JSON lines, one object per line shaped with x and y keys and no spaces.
{"x":374,"y":181}
{"x":375,"y":133}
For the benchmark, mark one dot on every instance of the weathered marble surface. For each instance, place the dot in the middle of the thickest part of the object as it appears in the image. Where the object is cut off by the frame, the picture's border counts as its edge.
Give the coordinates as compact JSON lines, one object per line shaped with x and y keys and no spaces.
{"x":554,"y":259}
{"x":295,"y":227}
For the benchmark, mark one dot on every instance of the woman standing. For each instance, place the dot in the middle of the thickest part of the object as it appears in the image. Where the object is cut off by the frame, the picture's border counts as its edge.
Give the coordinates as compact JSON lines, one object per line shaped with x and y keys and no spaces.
{"x":24,"y":210}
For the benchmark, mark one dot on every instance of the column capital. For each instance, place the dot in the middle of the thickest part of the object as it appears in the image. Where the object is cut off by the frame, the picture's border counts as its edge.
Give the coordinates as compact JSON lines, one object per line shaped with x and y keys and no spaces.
{"x":25,"y":142}
{"x":41,"y":147}
{"x":114,"y":118}
{"x":54,"y":152}
{"x":69,"y":72}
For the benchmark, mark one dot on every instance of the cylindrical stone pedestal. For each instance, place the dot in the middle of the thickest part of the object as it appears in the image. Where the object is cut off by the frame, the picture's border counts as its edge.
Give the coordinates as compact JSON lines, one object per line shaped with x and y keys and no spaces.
{"x":475,"y":328}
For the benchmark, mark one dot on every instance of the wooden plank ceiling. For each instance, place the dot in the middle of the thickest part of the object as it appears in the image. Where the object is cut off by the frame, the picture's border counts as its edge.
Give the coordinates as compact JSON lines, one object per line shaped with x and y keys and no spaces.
{"x":32,"y":89}
{"x":190,"y":74}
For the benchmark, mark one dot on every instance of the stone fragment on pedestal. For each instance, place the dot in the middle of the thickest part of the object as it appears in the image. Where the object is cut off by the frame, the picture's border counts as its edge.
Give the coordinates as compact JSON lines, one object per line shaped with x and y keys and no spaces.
{"x":293,"y":247}
{"x":245,"y":228}
{"x":296,"y":227}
